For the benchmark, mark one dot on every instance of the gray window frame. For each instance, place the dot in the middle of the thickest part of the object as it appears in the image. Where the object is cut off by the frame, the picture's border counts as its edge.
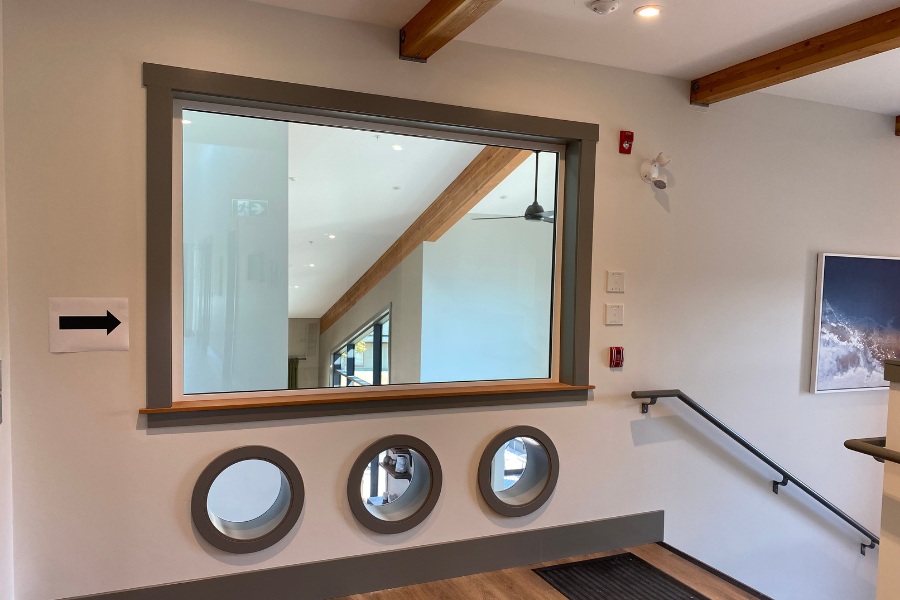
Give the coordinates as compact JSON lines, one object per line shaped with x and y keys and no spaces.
{"x":167,"y":84}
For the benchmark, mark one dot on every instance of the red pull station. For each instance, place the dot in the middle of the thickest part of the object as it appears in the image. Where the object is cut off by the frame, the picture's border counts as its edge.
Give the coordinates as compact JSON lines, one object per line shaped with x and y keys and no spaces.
{"x":616,"y":357}
{"x":626,"y":142}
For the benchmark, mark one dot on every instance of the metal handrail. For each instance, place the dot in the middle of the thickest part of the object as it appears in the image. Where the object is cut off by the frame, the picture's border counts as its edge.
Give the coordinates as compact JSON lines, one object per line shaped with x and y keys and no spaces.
{"x":787,"y":476}
{"x":353,"y":378}
{"x":874,"y":447}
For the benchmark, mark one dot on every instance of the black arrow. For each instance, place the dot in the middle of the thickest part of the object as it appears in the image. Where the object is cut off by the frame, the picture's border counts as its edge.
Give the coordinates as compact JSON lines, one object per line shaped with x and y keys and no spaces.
{"x":109,"y":323}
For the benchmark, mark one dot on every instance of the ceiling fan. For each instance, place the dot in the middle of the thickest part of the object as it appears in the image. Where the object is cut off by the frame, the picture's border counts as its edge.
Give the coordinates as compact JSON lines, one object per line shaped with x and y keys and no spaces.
{"x":534,"y":211}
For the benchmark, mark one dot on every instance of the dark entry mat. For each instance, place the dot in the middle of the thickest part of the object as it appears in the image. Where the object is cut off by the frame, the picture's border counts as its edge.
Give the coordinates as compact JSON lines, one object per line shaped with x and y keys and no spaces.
{"x":619,"y":577}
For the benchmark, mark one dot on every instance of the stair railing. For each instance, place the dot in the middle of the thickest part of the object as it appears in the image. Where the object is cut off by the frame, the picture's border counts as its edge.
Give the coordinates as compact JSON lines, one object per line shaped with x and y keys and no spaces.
{"x":875,"y":447}
{"x":786,"y":476}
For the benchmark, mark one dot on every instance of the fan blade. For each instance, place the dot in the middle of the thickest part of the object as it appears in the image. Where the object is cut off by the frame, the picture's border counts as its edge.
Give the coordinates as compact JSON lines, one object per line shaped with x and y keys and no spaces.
{"x":548,"y":213}
{"x":490,"y":218}
{"x":548,"y":220}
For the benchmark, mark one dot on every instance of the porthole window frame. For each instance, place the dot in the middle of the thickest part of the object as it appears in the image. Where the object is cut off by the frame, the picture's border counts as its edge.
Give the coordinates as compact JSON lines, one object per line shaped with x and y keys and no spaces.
{"x":485,"y":467}
{"x":200,"y":511}
{"x":354,"y":480}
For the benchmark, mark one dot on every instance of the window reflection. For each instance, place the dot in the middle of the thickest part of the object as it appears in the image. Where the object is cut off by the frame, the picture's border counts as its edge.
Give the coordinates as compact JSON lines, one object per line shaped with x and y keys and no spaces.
{"x":282,"y":219}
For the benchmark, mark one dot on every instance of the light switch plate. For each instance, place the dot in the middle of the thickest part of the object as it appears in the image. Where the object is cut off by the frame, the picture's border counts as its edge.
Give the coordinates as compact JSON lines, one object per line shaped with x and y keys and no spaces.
{"x":615,"y":314}
{"x":615,"y":282}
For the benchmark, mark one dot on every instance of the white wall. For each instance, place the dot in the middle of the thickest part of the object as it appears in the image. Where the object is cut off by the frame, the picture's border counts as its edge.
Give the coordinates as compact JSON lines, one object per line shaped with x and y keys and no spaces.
{"x":236,"y":267}
{"x":486,"y":301}
{"x":6,"y":519}
{"x":889,"y":554}
{"x":401,"y":289}
{"x":720,"y":272}
{"x":303,"y":343}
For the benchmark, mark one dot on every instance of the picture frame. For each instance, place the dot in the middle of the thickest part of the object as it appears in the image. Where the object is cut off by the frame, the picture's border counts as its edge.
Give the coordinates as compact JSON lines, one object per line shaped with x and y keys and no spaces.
{"x":857,"y":322}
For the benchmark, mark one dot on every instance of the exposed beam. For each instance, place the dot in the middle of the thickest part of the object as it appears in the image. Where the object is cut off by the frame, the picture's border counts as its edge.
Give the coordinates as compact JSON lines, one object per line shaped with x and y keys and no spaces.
{"x":483,"y":174}
{"x":437,"y":23}
{"x":897,"y":126}
{"x":860,"y":40}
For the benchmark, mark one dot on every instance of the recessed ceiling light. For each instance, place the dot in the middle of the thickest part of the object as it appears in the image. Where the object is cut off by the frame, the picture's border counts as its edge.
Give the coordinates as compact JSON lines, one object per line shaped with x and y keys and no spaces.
{"x":649,"y":11}
{"x":185,"y":122}
{"x":331,"y":236}
{"x":311,"y":265}
{"x":397,"y":147}
{"x":296,"y":287}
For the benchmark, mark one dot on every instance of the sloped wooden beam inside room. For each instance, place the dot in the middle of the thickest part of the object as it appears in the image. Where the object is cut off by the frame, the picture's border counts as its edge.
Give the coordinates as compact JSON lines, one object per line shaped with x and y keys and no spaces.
{"x":437,"y":23}
{"x":862,"y":39}
{"x":483,"y":174}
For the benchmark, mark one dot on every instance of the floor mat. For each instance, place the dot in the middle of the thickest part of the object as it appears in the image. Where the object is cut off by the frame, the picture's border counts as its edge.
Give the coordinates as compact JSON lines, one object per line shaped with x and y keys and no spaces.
{"x":619,"y":577}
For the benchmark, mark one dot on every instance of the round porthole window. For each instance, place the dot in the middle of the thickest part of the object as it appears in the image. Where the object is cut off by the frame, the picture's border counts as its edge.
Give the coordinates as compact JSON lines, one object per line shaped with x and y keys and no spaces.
{"x":247,"y":499}
{"x":394,"y":484}
{"x":518,"y":471}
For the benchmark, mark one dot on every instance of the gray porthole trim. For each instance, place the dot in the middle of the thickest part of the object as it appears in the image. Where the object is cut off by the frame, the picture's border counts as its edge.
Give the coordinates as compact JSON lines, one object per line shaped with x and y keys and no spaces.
{"x":242,"y":538}
{"x":425,"y":496}
{"x":536,"y":487}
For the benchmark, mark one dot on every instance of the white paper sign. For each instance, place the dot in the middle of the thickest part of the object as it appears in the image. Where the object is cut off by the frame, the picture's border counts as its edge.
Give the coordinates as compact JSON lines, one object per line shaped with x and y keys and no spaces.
{"x":88,"y":324}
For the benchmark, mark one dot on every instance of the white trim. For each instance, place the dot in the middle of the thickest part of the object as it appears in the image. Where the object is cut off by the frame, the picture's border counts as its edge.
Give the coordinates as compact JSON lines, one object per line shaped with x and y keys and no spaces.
{"x":177,"y":255}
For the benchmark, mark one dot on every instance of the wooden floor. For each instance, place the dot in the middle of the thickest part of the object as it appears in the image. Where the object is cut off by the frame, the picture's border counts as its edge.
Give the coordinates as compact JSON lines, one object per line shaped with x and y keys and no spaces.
{"x":522,"y":583}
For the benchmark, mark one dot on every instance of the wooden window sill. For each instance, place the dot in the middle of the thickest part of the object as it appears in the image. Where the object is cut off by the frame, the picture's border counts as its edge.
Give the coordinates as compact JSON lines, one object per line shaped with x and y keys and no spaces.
{"x":328,"y":402}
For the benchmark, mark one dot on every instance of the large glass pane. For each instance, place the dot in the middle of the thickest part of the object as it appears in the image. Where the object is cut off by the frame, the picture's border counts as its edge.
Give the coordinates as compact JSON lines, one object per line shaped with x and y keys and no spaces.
{"x":296,"y":234}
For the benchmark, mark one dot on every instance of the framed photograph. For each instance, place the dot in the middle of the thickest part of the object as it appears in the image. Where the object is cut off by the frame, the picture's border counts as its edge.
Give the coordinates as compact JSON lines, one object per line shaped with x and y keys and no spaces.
{"x":857,"y":324}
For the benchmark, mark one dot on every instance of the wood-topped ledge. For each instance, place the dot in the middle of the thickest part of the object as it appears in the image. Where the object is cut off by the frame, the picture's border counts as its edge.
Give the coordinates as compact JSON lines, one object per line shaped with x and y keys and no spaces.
{"x":324,"y":396}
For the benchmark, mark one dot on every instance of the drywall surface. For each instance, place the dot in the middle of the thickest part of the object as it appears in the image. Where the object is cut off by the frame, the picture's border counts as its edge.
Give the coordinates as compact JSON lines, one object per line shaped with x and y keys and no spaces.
{"x":401,"y":291}
{"x":6,"y":517}
{"x":486,"y":301}
{"x":303,"y":344}
{"x":889,"y":551}
{"x":720,"y":290}
{"x":235,"y":261}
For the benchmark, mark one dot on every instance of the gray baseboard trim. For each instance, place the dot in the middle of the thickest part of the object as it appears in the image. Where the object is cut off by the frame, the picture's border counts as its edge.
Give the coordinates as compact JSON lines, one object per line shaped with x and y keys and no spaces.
{"x":409,"y":566}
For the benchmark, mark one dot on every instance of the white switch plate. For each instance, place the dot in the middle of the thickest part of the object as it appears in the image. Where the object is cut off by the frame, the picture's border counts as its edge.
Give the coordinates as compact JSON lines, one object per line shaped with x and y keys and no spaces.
{"x":615,"y":282}
{"x":615,"y":314}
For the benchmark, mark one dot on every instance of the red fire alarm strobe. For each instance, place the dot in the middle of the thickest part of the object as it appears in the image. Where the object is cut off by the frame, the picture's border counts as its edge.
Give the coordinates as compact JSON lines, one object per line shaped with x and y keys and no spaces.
{"x":626,"y":142}
{"x":616,"y":357}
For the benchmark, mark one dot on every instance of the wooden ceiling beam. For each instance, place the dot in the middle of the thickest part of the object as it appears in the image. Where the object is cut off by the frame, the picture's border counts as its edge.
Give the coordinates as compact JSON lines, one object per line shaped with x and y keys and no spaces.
{"x":897,"y":126}
{"x":477,"y":180}
{"x":862,"y":39}
{"x":437,"y":23}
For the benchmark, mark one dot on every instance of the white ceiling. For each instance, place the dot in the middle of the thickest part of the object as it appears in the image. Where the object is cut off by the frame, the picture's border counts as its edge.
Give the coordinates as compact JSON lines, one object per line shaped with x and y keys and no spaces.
{"x":343,"y":185}
{"x":691,"y":39}
{"x":344,"y":182}
{"x":871,"y":84}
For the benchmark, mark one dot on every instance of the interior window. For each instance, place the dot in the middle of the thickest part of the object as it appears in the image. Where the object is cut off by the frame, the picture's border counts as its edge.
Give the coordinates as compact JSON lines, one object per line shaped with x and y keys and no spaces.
{"x":295,"y":233}
{"x":364,"y":359}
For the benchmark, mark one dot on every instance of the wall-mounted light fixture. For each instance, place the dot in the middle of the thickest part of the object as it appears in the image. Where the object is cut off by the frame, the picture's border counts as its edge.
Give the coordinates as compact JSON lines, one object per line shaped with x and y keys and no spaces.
{"x":650,"y":171}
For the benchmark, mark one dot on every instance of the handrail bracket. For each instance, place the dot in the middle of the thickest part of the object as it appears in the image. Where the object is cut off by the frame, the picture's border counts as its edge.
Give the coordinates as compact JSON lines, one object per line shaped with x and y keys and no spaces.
{"x":645,"y":406}
{"x":778,"y":484}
